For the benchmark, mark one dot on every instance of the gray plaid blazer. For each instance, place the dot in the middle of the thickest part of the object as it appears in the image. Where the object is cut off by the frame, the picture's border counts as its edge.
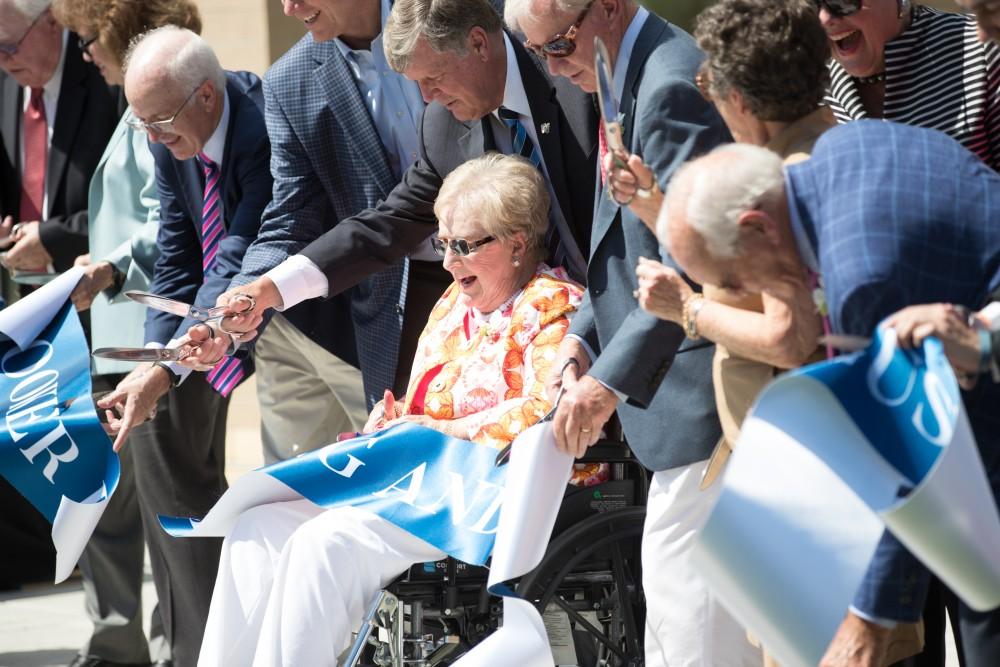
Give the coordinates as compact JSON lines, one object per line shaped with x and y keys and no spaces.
{"x":328,"y":164}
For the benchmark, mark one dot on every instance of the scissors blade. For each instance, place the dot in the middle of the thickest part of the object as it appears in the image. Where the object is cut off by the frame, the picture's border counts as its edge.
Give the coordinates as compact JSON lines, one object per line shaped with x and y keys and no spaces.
{"x":33,"y":277}
{"x":607,"y":101}
{"x":504,"y":456}
{"x":845,"y":342}
{"x":174,"y":306}
{"x":141,"y":353}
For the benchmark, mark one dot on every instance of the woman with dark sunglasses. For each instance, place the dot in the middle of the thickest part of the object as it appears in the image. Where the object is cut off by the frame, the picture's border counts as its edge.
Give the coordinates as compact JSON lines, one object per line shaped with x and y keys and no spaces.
{"x":914,"y":65}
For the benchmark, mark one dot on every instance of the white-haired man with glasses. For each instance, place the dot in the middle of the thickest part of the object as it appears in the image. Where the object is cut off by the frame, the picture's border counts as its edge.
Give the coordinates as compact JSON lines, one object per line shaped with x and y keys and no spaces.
{"x":211,"y":152}
{"x":56,"y":115}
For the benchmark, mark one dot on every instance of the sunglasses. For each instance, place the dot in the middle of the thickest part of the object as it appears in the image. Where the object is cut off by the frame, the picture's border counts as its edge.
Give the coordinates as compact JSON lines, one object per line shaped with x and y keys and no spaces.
{"x":562,"y":45}
{"x":11,"y":49}
{"x":460,"y":247}
{"x":165,"y":126}
{"x":84,"y":44}
{"x":839,"y":8}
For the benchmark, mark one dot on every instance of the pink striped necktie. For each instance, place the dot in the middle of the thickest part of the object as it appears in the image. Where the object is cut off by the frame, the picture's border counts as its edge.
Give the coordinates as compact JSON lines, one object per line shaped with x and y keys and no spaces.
{"x":229,"y":372}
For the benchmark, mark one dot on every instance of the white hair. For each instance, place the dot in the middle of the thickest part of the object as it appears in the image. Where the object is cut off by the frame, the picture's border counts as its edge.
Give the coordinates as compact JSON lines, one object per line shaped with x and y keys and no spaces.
{"x":31,"y":9}
{"x":514,"y":10}
{"x":186,"y":59}
{"x":714,"y":190}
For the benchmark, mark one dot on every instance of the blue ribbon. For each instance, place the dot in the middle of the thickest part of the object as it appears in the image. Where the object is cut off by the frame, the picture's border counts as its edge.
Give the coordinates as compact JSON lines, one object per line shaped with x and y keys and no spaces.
{"x":52,"y":443}
{"x":445,"y":491}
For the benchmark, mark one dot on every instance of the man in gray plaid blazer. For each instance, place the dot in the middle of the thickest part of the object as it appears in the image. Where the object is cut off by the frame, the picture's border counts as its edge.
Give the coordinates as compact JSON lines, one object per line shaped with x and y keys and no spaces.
{"x":343,"y":128}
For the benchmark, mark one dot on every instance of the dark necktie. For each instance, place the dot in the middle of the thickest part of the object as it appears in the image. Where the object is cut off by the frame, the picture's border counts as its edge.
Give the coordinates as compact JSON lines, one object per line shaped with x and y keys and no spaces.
{"x":522,"y":145}
{"x":36,"y":148}
{"x":229,"y":372}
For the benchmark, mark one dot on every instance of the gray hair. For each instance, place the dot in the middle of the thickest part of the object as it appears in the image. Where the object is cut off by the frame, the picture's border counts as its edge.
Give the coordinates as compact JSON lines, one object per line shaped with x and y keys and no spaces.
{"x":30,"y":9}
{"x":445,"y":24}
{"x":515,"y":10}
{"x":714,"y":190}
{"x":185,"y":58}
{"x":505,"y":193}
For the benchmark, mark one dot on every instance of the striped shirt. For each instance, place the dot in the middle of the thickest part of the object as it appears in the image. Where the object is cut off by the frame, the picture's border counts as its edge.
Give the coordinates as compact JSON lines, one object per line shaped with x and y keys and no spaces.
{"x":937,"y":75}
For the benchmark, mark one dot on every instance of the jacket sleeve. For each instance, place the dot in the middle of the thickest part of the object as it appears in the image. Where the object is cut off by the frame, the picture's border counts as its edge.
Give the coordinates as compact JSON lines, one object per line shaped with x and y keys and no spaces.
{"x":672,"y":126}
{"x":65,"y":238}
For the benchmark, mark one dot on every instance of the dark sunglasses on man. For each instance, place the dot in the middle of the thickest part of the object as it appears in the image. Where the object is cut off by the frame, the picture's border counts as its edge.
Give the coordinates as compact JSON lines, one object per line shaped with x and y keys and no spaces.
{"x":460,"y":247}
{"x":563,"y":44}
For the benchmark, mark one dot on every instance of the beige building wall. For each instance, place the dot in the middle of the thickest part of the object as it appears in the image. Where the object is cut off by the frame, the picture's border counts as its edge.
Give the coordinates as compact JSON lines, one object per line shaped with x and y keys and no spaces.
{"x":248,"y":34}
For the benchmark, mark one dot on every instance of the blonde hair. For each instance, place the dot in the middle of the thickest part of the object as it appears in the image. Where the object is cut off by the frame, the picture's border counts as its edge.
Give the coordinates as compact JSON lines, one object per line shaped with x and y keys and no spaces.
{"x":505,"y":193}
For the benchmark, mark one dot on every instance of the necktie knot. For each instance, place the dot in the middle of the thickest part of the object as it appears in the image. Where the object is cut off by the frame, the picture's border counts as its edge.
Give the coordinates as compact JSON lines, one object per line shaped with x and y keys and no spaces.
{"x":506,"y":114}
{"x":36,"y":103}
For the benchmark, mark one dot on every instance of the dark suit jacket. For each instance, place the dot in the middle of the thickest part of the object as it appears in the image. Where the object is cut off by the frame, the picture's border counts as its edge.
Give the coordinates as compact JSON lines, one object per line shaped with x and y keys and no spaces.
{"x":245,"y":184}
{"x":85,"y":119}
{"x":669,"y":419}
{"x":897,"y":216}
{"x":380,"y":236}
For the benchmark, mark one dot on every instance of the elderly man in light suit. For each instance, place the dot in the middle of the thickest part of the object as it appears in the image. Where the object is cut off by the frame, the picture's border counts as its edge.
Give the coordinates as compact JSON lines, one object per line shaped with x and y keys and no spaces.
{"x":619,"y":358}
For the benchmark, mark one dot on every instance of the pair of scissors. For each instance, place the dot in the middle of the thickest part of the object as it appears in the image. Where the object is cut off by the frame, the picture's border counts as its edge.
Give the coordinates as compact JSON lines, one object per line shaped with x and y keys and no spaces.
{"x":608,"y":104}
{"x":175,"y":307}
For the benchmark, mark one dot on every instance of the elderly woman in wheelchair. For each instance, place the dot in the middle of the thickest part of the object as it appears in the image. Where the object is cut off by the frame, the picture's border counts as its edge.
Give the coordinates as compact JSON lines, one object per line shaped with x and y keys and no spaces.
{"x":296,"y":578}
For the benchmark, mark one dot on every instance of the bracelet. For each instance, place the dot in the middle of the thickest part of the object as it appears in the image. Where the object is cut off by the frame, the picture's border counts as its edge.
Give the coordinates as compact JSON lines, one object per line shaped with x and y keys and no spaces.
{"x":689,"y":314}
{"x":985,"y":349}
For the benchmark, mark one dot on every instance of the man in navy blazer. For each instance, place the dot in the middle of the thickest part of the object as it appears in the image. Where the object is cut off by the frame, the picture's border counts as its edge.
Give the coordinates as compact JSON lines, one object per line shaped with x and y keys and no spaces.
{"x":889,"y":216}
{"x":466,"y":76}
{"x":624,"y":360}
{"x":210,"y":146}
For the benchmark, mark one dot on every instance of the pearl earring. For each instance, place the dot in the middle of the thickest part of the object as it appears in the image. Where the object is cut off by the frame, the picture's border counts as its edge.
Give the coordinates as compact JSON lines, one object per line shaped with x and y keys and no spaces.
{"x":517,"y":261}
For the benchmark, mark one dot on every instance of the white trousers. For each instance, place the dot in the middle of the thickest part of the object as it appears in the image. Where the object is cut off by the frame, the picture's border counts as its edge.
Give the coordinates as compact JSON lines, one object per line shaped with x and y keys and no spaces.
{"x":295,"y":580}
{"x":685,"y":626}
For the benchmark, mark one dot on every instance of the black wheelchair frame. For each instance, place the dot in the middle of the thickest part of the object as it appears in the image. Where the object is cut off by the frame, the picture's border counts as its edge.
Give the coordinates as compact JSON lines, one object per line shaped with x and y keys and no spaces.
{"x":590,"y":580}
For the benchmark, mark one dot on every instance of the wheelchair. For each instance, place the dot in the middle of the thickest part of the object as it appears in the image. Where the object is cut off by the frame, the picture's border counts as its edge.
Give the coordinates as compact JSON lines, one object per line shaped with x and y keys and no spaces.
{"x":588,"y":587}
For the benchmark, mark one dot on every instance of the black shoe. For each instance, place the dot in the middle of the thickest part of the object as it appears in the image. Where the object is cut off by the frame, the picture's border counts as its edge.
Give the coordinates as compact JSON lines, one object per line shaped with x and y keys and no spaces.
{"x":94,"y":661}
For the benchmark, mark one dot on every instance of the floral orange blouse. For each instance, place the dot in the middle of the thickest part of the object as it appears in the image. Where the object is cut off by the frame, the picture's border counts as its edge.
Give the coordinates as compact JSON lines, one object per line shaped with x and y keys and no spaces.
{"x":486,"y":373}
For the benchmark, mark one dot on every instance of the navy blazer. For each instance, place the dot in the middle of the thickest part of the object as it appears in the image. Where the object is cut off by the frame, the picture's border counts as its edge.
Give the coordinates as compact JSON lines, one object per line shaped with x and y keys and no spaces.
{"x":669,"y":418}
{"x":85,"y":119}
{"x":898,"y":216}
{"x":378,"y":237}
{"x":245,"y":184}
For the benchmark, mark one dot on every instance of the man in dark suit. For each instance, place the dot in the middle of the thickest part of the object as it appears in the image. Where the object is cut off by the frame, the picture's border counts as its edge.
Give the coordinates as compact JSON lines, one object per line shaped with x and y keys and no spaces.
{"x":936,"y":241}
{"x":211,"y":151}
{"x":67,"y":105}
{"x":343,"y":129}
{"x":47,"y":91}
{"x":483,"y":90}
{"x":619,"y":357}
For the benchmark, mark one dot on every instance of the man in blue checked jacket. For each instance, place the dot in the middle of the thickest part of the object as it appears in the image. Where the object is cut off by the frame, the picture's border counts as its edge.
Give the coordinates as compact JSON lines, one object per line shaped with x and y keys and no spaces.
{"x":889,"y":216}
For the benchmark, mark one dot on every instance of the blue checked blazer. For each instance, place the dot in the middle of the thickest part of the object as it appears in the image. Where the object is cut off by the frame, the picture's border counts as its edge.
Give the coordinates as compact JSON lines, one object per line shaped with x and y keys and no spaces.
{"x":328,"y":164}
{"x":666,"y":377}
{"x":897,"y":216}
{"x":245,"y":184}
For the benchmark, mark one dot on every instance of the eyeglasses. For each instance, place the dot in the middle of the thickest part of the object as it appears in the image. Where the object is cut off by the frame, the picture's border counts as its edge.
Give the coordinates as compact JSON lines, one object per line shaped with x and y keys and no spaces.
{"x":561,"y":45}
{"x":460,"y":247}
{"x":159,"y":126}
{"x":11,"y":49}
{"x":839,"y":8}
{"x":84,"y":44}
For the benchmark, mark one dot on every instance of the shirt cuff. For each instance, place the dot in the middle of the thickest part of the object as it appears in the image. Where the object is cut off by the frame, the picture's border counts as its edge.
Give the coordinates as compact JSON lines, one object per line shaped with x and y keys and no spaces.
{"x":297,"y":279}
{"x":586,"y":346}
{"x":180,"y":371}
{"x":887,"y":623}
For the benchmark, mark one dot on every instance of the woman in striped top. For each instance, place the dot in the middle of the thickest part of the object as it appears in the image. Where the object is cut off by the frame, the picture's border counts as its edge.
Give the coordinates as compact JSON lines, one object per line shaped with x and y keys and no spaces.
{"x":918,"y":66}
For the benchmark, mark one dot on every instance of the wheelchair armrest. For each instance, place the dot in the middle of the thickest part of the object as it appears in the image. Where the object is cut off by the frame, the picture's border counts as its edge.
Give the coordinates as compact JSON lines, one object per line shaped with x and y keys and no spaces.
{"x":608,"y":451}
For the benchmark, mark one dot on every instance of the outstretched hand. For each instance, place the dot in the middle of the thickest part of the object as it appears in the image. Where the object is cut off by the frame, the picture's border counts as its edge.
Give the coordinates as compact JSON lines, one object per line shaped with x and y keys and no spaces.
{"x":134,"y":400}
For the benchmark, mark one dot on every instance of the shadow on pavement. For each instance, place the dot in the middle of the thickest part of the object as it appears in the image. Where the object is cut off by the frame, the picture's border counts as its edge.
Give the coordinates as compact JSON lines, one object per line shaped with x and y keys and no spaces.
{"x":40,"y":658}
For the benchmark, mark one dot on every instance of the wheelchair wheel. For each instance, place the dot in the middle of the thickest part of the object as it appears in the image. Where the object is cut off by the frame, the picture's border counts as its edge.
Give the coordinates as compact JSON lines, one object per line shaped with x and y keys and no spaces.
{"x":592,"y":573}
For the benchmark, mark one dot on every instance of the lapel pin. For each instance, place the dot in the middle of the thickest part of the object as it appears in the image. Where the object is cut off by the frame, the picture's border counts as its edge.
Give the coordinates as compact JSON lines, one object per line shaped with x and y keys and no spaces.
{"x":546,"y":127}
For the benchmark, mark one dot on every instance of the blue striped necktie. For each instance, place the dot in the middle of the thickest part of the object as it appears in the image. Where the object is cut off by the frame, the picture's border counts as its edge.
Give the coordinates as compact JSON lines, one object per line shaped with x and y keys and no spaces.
{"x":229,"y":372}
{"x":523,"y":145}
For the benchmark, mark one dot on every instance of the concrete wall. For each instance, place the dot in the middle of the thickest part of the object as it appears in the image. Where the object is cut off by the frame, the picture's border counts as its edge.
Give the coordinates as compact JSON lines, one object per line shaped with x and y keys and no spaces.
{"x":248,"y":34}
